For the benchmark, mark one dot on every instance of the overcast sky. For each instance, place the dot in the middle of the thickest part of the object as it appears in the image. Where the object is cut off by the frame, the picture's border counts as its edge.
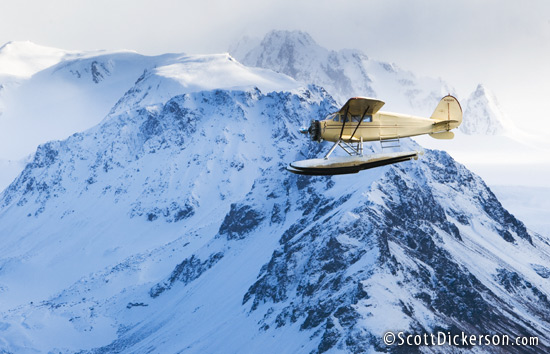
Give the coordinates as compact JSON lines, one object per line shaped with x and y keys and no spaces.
{"x":503,"y":44}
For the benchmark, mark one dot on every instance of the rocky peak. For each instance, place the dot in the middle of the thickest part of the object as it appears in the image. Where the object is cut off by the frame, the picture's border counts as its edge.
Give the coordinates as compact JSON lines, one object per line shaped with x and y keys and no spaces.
{"x":344,"y":73}
{"x":482,"y":113}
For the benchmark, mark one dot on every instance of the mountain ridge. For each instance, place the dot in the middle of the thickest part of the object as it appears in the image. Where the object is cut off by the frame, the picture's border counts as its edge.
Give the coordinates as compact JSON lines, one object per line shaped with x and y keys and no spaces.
{"x":172,"y":225}
{"x":348,"y":73}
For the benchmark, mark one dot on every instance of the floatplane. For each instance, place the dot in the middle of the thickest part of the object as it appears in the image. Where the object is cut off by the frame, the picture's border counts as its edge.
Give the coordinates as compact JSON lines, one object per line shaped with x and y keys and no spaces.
{"x":360,"y":120}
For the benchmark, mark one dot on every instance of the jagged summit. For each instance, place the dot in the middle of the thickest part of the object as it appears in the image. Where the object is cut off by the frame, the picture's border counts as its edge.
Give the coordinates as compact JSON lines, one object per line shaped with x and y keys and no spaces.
{"x":296,"y":54}
{"x":289,"y":47}
{"x":348,"y":73}
{"x":345,"y":73}
{"x":276,"y":43}
{"x":482,"y":114}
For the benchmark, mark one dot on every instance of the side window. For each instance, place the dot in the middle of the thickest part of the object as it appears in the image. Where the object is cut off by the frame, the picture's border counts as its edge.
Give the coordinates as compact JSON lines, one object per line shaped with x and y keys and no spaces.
{"x":335,"y":117}
{"x":366,"y":119}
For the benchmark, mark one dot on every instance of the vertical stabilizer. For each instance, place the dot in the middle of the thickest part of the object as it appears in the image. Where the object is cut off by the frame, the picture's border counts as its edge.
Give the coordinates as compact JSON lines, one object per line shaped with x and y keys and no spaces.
{"x":448,"y":109}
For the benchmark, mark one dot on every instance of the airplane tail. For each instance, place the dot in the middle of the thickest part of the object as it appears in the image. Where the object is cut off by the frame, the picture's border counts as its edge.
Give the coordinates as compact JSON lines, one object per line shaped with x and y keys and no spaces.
{"x":447,"y":116}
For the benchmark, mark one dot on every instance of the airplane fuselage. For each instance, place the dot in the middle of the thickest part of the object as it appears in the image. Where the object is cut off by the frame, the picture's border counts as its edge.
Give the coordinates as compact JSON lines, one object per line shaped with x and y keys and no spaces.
{"x":379,"y":126}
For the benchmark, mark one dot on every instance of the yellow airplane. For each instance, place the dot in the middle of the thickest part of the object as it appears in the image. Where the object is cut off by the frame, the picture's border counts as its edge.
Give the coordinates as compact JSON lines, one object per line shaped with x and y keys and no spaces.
{"x":360,"y":120}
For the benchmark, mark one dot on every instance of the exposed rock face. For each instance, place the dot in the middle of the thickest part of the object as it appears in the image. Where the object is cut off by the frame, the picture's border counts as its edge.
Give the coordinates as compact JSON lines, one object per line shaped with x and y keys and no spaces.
{"x":392,"y":257}
{"x":173,"y":226}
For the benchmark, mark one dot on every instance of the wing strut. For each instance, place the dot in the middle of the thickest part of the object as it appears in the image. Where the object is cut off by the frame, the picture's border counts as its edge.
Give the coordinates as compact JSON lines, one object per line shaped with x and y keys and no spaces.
{"x":344,"y":122}
{"x":341,"y":133}
{"x":359,"y":149}
{"x":358,"y":124}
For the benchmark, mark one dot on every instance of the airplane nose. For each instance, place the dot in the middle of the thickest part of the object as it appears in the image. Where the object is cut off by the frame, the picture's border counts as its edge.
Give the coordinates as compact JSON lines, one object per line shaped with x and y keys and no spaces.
{"x":315,"y":130}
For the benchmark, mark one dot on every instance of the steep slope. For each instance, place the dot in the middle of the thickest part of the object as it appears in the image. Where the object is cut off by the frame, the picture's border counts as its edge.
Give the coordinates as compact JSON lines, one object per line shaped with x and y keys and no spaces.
{"x":172,"y":226}
{"x":410,"y":255}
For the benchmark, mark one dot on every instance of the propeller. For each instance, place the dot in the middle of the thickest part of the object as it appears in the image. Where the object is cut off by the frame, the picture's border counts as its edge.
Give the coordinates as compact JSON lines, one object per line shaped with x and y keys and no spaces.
{"x":304,"y":128}
{"x":314,"y":130}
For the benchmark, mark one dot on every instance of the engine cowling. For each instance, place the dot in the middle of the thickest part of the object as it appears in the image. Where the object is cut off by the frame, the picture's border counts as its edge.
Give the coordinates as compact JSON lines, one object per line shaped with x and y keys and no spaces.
{"x":315,"y":130}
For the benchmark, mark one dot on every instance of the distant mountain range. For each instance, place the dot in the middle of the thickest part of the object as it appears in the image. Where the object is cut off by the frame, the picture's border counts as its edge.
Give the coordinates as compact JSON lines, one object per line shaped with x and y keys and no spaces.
{"x":50,"y":93}
{"x":349,"y":73}
{"x":172,"y":226}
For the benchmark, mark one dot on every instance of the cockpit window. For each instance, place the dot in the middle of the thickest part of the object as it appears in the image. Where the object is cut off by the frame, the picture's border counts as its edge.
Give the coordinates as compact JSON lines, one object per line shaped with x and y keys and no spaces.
{"x":335,"y":117}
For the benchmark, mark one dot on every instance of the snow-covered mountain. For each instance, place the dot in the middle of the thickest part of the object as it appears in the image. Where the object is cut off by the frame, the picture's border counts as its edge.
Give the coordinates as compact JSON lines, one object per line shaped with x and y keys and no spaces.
{"x":296,"y":54}
{"x":484,"y":114}
{"x":349,"y":73}
{"x":487,"y":141}
{"x":344,"y":74}
{"x":52,"y":93}
{"x":49,"y":93}
{"x":172,"y":226}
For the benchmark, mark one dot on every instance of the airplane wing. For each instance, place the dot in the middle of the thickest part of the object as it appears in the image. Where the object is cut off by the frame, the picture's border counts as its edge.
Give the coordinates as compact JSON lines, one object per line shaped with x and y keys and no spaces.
{"x":356,"y":106}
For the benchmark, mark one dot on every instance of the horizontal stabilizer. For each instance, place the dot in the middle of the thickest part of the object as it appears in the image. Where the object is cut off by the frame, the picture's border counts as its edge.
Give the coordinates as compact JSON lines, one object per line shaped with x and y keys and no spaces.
{"x":443,"y":135}
{"x":445,"y":125}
